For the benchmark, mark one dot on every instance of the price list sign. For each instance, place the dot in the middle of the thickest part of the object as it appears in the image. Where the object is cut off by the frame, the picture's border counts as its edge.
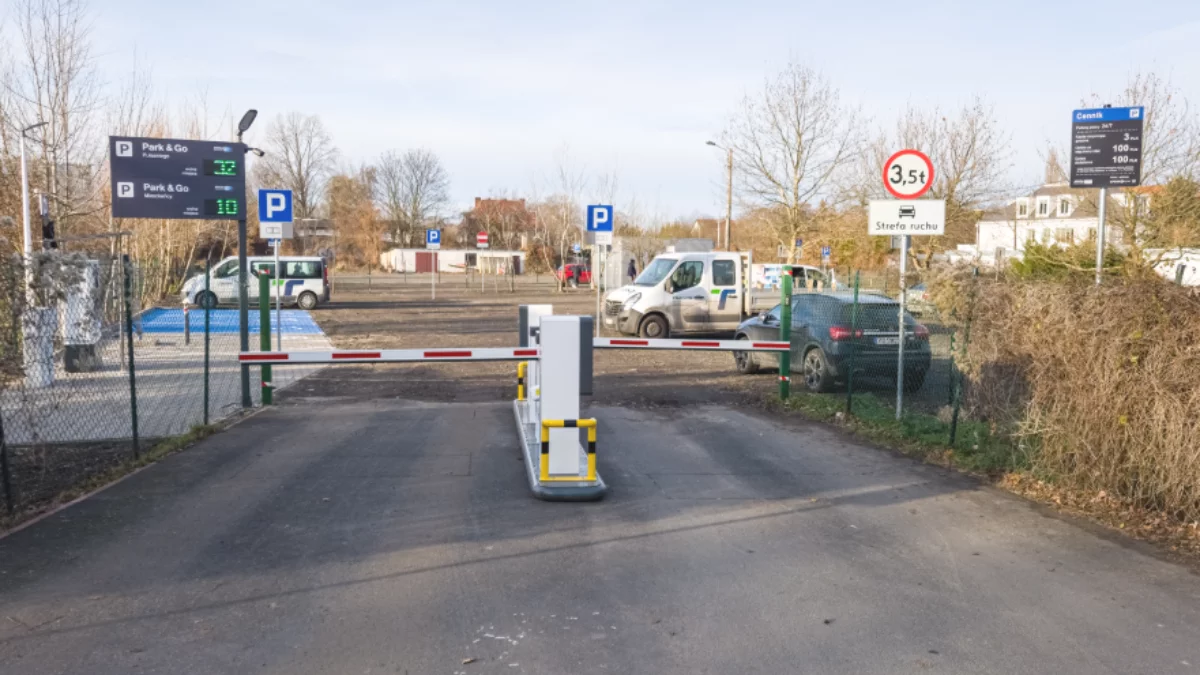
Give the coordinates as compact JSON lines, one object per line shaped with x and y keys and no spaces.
{"x":1106,"y":147}
{"x":177,"y":179}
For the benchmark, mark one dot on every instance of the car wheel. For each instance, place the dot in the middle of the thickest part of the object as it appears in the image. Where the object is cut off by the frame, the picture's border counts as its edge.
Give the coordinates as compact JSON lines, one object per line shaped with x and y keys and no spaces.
{"x":745,"y":362}
{"x":816,"y":372}
{"x":307,"y":300}
{"x":654,"y":327}
{"x":914,"y":381}
{"x":206,"y":300}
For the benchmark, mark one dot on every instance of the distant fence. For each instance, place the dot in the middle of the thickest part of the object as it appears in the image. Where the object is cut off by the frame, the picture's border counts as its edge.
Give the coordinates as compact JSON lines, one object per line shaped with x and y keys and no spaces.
{"x":90,"y":379}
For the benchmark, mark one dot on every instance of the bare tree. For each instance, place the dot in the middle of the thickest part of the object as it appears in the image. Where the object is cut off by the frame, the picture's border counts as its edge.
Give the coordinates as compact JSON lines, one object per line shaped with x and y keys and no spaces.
{"x":789,"y":143}
{"x":413,"y":188}
{"x":355,"y":217}
{"x":300,"y":157}
{"x":57,"y":84}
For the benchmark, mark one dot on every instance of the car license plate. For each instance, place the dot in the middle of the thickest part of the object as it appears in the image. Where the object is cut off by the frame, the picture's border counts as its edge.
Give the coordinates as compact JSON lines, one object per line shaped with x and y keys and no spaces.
{"x":895,"y":340}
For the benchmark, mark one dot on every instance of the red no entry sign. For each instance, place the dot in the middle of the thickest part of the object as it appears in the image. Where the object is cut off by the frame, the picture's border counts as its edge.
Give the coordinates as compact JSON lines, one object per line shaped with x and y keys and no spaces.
{"x":908,"y":174}
{"x":481,"y":240}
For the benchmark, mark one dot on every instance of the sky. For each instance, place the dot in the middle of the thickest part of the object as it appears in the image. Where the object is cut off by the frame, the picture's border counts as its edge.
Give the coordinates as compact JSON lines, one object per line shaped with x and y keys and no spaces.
{"x":501,"y":90}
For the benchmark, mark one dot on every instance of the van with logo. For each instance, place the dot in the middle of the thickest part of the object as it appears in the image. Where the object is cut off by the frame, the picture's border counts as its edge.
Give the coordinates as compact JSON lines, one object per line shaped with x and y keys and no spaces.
{"x":304,"y":282}
{"x":679,"y":293}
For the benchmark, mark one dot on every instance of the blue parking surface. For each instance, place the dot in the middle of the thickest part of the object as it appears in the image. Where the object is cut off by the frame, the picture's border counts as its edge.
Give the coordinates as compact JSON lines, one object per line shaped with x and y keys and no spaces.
{"x":167,"y":320}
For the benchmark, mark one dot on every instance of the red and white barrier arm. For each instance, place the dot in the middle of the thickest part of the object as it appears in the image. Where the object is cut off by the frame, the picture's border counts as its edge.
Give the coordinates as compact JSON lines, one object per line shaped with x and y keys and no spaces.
{"x":698,"y":345}
{"x":391,"y":355}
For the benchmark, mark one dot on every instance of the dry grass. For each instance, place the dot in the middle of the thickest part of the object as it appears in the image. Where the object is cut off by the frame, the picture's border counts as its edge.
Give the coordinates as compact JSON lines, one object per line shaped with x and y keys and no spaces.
{"x":1101,"y":385}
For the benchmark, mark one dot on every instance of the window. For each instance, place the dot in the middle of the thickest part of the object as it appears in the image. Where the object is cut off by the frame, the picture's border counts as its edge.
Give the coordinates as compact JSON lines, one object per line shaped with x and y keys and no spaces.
{"x":1031,"y":236}
{"x":687,"y":275}
{"x":1064,"y":235}
{"x":1091,"y":234}
{"x":471,"y":259}
{"x":776,"y":313}
{"x":656,"y":272}
{"x":1022,"y":208}
{"x":1043,"y":207}
{"x":1064,"y":206}
{"x":723,"y":272}
{"x":802,"y":310}
{"x":227,"y":270}
{"x":1046,"y":236}
{"x":302,"y":269}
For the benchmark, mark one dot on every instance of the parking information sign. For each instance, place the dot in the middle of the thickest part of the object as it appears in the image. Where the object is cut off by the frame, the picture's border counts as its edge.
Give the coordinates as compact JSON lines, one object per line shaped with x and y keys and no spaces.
{"x":1106,"y":147}
{"x":171,"y":178}
{"x":433,"y":239}
{"x":919,"y":216}
{"x":600,"y":223}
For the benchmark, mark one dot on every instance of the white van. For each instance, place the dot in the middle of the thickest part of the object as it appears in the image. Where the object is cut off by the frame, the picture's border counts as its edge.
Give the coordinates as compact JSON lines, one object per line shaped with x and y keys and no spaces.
{"x":304,"y":282}
{"x":692,"y":293}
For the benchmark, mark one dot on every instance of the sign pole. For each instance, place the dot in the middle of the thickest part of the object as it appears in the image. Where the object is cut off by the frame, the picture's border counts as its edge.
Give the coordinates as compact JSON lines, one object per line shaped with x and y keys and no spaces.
{"x":243,"y":313}
{"x":433,"y":278}
{"x":903,"y":302}
{"x":1100,"y":235}
{"x":278,"y":299}
{"x":595,"y":284}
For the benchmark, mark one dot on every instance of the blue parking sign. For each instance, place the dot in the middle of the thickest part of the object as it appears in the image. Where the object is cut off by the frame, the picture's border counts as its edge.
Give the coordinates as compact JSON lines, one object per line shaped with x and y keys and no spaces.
{"x":433,"y":238}
{"x":275,"y":206}
{"x":600,"y":218}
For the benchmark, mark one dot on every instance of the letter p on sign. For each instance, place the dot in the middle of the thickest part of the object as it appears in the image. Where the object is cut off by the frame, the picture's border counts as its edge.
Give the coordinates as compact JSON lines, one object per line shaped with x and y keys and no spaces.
{"x":600,"y":218}
{"x":275,"y":206}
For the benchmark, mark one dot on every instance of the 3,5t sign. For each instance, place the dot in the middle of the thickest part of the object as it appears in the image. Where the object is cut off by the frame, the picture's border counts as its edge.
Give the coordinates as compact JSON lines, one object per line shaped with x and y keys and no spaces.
{"x":908,"y":174}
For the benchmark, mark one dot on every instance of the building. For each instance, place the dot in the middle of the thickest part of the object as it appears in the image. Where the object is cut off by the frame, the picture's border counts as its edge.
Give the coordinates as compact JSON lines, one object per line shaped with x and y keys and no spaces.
{"x":452,"y":261}
{"x":1054,"y":214}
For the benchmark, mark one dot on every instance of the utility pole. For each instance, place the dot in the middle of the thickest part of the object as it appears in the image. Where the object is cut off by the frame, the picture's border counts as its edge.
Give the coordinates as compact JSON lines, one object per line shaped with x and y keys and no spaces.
{"x":729,"y":201}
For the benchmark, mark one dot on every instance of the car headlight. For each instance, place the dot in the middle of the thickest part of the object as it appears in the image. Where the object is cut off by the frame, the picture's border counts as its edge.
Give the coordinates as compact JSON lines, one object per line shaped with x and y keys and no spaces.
{"x":631,"y":299}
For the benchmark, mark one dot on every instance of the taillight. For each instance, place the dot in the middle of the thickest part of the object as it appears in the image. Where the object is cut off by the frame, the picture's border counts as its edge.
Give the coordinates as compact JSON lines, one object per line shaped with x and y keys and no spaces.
{"x":921,"y":332}
{"x":842,"y":333}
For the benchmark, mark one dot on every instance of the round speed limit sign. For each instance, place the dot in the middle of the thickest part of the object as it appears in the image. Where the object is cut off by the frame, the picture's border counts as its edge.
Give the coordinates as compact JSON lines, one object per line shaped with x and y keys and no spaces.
{"x":908,"y":174}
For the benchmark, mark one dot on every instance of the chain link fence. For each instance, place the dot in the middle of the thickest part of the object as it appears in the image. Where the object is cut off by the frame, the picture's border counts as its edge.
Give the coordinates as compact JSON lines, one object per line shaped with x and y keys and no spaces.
{"x":849,"y":345}
{"x":95,"y":371}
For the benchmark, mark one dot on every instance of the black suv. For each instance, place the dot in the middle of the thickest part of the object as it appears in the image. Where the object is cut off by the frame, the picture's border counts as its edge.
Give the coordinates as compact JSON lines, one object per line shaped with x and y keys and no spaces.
{"x":823,"y":341}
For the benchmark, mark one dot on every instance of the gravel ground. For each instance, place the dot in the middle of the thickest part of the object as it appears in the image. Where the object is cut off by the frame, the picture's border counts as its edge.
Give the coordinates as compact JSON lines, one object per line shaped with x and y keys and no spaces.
{"x":400,"y":315}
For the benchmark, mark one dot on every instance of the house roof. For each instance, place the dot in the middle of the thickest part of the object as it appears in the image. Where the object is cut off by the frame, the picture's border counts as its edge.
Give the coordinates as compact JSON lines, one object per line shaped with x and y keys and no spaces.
{"x":1085,"y":205}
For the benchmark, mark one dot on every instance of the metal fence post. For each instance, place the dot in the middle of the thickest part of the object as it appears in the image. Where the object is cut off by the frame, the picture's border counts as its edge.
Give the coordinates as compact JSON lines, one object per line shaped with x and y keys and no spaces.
{"x":207,"y":302}
{"x":133,"y":409}
{"x":853,"y":349}
{"x":264,"y":332}
{"x":785,"y":331}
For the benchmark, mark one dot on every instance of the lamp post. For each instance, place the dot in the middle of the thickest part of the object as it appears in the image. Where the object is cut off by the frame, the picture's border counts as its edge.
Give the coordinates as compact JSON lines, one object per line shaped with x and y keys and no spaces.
{"x":243,"y":307}
{"x":728,"y":192}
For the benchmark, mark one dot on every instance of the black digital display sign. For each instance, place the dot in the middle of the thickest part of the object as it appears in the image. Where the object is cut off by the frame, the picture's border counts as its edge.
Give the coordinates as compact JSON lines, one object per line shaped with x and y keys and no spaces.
{"x":171,"y":178}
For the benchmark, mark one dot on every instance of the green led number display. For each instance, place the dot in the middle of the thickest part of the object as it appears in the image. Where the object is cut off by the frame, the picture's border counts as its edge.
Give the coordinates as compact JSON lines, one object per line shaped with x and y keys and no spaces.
{"x":220,"y":167}
{"x":221,"y":207}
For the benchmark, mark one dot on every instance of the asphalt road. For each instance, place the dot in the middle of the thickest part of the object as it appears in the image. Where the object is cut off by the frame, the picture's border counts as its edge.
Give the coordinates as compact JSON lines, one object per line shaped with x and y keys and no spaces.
{"x":399,"y":537}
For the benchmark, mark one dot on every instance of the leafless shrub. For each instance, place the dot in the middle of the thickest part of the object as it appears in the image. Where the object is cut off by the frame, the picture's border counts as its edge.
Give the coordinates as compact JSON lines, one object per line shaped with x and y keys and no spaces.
{"x":1101,"y":383}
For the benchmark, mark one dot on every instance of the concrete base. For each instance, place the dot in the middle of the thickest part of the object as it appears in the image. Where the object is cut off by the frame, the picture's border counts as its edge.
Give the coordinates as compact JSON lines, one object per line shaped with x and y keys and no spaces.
{"x":531,"y":446}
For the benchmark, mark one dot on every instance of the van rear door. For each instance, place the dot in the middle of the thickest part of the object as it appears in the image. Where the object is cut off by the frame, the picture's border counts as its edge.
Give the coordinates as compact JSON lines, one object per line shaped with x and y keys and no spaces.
{"x":724,"y":303}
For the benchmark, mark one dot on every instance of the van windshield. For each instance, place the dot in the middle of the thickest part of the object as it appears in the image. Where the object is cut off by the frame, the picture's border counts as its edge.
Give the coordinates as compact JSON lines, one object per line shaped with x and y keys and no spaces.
{"x":656,"y":272}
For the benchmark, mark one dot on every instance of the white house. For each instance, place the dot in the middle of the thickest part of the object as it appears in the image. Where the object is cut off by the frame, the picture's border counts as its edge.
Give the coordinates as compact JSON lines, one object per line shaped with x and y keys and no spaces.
{"x":452,"y":260}
{"x":1055,"y":214}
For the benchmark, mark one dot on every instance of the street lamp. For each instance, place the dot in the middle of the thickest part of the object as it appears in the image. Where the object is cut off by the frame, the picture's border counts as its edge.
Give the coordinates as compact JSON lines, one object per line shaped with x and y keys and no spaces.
{"x":728,"y":193}
{"x":243,"y":301}
{"x":25,"y":192}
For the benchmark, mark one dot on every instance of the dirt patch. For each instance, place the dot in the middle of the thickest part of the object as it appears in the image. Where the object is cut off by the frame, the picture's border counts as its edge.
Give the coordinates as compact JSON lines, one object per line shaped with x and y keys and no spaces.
{"x":398,"y":315}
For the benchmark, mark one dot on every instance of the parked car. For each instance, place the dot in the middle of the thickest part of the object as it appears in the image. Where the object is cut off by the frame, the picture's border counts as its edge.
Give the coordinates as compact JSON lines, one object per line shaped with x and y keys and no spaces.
{"x":919,"y":302}
{"x":823,"y":340}
{"x":304,"y":282}
{"x":573,"y":274}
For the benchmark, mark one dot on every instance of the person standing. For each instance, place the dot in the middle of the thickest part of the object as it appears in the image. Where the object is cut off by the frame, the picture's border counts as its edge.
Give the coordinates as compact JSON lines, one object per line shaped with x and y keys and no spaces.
{"x":632,"y":271}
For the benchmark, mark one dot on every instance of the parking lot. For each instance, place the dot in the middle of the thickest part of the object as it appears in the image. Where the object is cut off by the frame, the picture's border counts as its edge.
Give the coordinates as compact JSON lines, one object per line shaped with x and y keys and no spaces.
{"x":378,"y":520}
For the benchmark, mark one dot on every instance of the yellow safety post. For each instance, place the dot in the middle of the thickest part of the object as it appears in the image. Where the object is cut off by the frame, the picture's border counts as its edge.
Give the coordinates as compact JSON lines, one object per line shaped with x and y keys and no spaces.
{"x":521,"y":367}
{"x":544,"y":461}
